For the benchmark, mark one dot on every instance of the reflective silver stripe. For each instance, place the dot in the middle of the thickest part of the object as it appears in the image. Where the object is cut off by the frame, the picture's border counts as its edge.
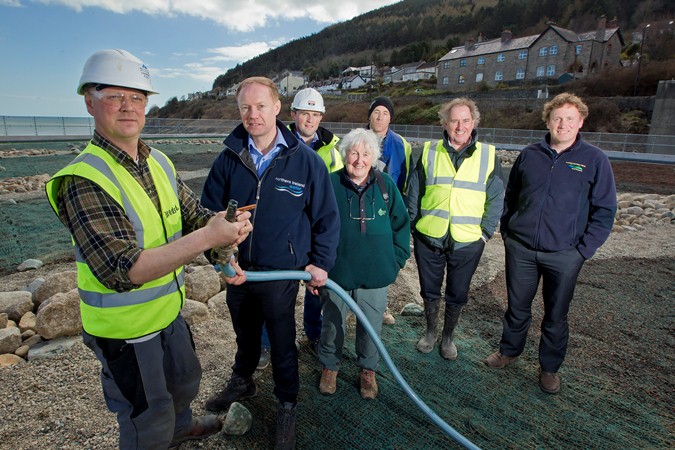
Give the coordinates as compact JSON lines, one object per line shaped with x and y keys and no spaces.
{"x":465,"y":220}
{"x":166,"y":166}
{"x":112,"y":300}
{"x":174,"y":237}
{"x":470,"y":185}
{"x":332,"y":157}
{"x":431,"y":162}
{"x":99,"y":164}
{"x":436,"y":212}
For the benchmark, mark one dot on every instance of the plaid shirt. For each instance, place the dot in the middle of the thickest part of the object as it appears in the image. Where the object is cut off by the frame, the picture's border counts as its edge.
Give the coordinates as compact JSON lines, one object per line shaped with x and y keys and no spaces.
{"x":101,"y":229}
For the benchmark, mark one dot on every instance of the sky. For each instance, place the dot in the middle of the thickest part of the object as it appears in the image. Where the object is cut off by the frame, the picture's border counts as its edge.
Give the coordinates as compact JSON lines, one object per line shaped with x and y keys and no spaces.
{"x":186,"y":44}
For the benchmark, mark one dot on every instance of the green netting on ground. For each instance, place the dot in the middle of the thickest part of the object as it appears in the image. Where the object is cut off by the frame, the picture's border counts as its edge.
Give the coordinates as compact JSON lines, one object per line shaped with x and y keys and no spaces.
{"x":30,"y":229}
{"x":492,"y":408}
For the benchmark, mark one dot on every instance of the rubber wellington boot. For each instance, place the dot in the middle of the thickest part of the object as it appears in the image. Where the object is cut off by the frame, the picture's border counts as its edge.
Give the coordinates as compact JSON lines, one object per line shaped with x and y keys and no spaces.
{"x":448,"y":348}
{"x":427,"y":342}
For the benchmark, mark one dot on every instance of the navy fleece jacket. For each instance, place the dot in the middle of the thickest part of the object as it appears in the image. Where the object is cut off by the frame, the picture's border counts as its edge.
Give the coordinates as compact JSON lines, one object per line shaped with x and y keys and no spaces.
{"x":557,"y":201}
{"x":296,"y":220}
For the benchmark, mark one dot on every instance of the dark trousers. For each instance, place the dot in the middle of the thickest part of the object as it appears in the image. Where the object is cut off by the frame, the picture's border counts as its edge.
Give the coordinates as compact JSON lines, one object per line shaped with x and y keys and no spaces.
{"x":272,"y":302}
{"x":312,"y":316}
{"x":458,"y":266}
{"x":524,"y":269}
{"x":149,"y":385}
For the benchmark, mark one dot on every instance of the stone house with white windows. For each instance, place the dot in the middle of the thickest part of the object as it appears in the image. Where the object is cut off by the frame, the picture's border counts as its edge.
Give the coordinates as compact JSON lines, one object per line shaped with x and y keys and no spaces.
{"x":541,"y":58}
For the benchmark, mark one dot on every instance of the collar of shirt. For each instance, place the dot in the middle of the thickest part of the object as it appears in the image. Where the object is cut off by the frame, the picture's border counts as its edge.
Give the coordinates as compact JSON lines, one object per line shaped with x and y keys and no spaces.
{"x":302,"y":139}
{"x":117,"y":153}
{"x":263,"y":161}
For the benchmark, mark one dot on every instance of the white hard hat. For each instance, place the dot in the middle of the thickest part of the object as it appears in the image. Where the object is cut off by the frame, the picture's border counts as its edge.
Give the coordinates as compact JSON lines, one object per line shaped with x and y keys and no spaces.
{"x":116,"y":68}
{"x":308,"y":100}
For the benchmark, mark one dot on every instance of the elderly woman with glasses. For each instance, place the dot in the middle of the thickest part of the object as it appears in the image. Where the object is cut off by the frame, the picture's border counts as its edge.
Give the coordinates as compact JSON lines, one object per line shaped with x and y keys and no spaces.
{"x":374,"y":245}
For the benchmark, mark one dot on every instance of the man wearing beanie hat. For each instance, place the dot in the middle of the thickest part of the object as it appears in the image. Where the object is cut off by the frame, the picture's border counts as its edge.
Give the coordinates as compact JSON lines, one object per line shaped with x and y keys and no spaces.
{"x":396,"y":151}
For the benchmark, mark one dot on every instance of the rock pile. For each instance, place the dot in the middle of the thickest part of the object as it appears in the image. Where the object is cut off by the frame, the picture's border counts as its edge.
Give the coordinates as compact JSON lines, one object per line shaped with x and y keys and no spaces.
{"x":19,"y":185}
{"x":43,"y":319}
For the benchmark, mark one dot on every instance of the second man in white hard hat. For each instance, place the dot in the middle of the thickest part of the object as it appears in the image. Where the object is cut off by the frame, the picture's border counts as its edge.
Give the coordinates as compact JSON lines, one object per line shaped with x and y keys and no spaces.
{"x":307,"y":111}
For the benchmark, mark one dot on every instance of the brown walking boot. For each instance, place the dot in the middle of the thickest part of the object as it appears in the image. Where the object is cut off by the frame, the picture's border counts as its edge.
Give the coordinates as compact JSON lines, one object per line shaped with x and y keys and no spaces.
{"x":549,"y":382}
{"x":328,"y":383}
{"x":201,"y":427}
{"x":499,"y":361}
{"x":368,"y":384}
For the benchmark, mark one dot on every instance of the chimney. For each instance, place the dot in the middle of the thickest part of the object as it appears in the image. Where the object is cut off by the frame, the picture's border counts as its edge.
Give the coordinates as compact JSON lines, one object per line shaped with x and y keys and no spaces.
{"x":614,"y":23}
{"x":469,"y":44}
{"x":600,"y":32}
{"x":506,"y":36}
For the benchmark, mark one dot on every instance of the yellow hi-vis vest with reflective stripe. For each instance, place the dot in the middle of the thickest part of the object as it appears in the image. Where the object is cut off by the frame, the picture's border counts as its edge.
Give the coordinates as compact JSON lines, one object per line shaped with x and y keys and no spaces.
{"x":454,"y":200}
{"x":331,"y":157}
{"x":154,"y":305}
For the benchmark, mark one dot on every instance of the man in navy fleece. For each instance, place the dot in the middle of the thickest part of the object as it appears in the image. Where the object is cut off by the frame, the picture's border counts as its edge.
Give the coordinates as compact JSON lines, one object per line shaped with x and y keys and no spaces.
{"x":558,"y":210}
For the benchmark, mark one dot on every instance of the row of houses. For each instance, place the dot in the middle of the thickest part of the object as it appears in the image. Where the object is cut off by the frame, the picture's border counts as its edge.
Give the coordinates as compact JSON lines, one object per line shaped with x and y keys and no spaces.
{"x":553,"y":56}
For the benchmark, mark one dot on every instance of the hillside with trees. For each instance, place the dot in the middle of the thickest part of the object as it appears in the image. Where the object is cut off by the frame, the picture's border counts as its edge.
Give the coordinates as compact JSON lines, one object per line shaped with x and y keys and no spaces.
{"x":425,"y":30}
{"x":415,"y":30}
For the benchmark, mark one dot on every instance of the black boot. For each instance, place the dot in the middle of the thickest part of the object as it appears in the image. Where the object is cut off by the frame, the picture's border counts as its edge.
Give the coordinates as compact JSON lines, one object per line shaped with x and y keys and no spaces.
{"x":448,"y":349}
{"x":427,"y":342}
{"x":285,"y":439}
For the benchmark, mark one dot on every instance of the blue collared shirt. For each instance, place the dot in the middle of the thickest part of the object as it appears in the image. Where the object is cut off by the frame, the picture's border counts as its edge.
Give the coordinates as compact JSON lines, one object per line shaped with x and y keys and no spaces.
{"x":263,"y":161}
{"x":302,"y":139}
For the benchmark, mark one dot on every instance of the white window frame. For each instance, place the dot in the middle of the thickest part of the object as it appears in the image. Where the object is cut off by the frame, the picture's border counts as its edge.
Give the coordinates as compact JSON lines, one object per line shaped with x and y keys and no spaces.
{"x":553,"y":50}
{"x":520,"y":74}
{"x":499,"y":75}
{"x":481,"y":60}
{"x":446,"y":81}
{"x":462,"y":62}
{"x":522,"y":54}
{"x":543,"y":51}
{"x":479,"y":77}
{"x":461,"y":79}
{"x":550,"y":70}
{"x":501,"y":57}
{"x":541,"y":70}
{"x":578,"y":49}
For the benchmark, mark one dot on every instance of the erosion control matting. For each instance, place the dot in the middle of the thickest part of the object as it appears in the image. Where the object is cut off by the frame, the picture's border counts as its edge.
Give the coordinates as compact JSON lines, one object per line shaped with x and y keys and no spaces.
{"x":493,"y":408}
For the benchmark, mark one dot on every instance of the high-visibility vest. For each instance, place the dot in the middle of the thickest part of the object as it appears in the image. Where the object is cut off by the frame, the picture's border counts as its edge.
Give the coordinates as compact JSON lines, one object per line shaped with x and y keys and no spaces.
{"x":454,"y":200}
{"x":330,"y":155}
{"x":154,"y":305}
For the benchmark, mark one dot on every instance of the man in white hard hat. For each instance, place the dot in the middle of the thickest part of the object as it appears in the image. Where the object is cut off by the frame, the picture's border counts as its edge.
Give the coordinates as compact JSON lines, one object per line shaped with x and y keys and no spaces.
{"x":307,"y":111}
{"x":126,"y":210}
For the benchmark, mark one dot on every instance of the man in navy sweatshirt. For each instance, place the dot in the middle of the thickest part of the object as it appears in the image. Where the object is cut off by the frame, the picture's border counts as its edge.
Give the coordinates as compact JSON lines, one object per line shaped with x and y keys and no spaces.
{"x":559,"y":209}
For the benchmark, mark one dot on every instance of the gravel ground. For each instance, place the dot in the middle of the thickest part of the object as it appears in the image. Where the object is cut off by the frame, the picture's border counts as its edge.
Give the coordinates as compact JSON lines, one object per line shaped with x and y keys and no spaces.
{"x":57,"y":402}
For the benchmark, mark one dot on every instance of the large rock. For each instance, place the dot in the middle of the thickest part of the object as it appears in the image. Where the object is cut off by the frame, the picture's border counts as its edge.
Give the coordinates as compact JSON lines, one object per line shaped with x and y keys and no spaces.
{"x":238,"y":420}
{"x":194,"y":312}
{"x":55,"y":283}
{"x":8,"y":359}
{"x":3,"y":320}
{"x":202,"y":283}
{"x":61,"y":316}
{"x":29,"y":264}
{"x":15,"y":304}
{"x":218,"y":305}
{"x":27,"y":322}
{"x":49,"y":349}
{"x":10,"y":340}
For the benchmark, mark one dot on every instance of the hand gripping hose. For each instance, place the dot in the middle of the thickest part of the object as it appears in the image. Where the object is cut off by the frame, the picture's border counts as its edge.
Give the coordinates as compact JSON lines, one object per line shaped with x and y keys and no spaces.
{"x":278,"y":275}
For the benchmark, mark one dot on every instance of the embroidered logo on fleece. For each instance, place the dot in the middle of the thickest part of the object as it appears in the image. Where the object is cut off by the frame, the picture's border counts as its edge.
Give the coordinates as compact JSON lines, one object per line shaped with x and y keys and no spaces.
{"x":292,"y":187}
{"x":381,"y":212}
{"x":576,"y":166}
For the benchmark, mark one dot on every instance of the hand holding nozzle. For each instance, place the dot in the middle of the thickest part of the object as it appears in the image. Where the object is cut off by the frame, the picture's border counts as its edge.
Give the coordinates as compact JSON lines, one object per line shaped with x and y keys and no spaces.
{"x":225,"y":256}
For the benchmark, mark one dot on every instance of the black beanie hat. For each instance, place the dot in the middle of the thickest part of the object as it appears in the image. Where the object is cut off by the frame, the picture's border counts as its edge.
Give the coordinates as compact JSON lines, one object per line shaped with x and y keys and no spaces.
{"x":382,"y":101}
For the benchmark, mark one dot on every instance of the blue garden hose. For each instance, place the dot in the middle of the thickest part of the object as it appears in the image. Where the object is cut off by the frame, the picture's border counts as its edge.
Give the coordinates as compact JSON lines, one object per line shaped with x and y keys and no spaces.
{"x":333,"y":286}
